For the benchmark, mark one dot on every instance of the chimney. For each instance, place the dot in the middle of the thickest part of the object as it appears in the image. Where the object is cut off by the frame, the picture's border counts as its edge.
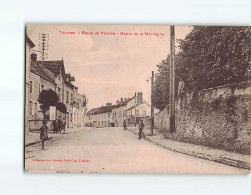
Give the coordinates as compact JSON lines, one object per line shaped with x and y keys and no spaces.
{"x":117,"y":102}
{"x":121,"y":99}
{"x":34,"y":58}
{"x":139,"y":97}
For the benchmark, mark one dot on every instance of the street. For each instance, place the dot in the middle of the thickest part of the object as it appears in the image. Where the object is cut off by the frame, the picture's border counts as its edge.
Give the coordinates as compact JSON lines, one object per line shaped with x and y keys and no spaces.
{"x":113,"y":150}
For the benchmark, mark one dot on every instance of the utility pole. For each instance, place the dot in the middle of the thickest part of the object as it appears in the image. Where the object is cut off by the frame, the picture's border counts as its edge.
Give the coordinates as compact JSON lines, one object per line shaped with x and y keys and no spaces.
{"x":152,"y":108}
{"x":43,"y":45}
{"x":172,"y":80}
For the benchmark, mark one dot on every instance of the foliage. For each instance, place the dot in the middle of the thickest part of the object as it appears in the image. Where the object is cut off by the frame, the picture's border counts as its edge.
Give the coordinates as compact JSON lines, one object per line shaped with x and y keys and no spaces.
{"x":209,"y":56}
{"x":215,"y":55}
{"x":47,"y":98}
{"x":61,"y":107}
{"x":161,"y":87}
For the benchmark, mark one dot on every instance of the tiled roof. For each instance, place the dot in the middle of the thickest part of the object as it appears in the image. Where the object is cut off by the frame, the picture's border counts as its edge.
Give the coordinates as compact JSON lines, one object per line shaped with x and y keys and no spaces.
{"x":35,"y":69}
{"x":100,"y":110}
{"x":92,"y":111}
{"x":29,"y":41}
{"x":138,"y":104}
{"x":54,"y":66}
{"x":124,"y":102}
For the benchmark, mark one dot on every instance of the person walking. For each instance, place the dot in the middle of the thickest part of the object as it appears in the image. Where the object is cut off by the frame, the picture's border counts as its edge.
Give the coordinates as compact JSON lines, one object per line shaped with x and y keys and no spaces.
{"x":141,"y":128}
{"x":44,"y":132}
{"x":125,"y":126}
{"x":55,"y":125}
{"x":63,"y":125}
{"x":59,"y":124}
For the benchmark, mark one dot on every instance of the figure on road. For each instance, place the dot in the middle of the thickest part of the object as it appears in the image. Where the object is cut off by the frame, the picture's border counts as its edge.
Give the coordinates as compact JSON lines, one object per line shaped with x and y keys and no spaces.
{"x":63,"y":124}
{"x":141,"y":128}
{"x":44,"y":133}
{"x":125,"y":126}
{"x":59,"y":124}
{"x":55,"y":125}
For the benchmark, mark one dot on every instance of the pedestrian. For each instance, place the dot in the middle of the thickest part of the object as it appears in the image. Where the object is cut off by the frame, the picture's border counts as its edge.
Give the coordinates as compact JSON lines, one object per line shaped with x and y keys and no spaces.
{"x":59,"y":124}
{"x":141,"y":128}
{"x":125,"y":126}
{"x":55,"y":125}
{"x":63,"y":124}
{"x":44,"y":132}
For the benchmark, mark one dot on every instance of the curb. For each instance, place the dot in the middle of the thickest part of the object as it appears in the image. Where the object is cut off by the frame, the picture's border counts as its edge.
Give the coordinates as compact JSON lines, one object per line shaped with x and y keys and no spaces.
{"x":37,"y":142}
{"x":222,"y":160}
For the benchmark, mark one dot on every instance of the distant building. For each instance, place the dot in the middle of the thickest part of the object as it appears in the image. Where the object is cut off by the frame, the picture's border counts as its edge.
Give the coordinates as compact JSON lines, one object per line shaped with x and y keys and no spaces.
{"x":124,"y":110}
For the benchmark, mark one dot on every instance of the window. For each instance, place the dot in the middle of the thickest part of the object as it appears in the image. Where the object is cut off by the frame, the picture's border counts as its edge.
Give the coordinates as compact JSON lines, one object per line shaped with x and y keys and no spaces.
{"x":30,"y":107}
{"x":35,"y":108}
{"x":143,"y":112}
{"x":67,"y":96}
{"x":31,"y":86}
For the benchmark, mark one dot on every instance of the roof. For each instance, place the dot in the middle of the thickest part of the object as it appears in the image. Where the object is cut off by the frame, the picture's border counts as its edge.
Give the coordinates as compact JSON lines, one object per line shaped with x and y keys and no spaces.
{"x":138,"y":104}
{"x":54,"y":66}
{"x":35,"y":69}
{"x":30,"y":43}
{"x":92,"y":111}
{"x":100,"y":110}
{"x":124,"y":102}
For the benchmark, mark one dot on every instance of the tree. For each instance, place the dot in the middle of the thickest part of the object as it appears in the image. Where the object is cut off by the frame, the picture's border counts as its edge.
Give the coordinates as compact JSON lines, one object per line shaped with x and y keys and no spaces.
{"x":215,"y":55}
{"x":160,"y":94}
{"x":210,"y":56}
{"x":61,"y":107}
{"x":47,"y":98}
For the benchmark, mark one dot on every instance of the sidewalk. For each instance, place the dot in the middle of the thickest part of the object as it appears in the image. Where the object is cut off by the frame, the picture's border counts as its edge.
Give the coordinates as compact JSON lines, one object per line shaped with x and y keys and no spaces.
{"x":34,"y":137}
{"x":220,"y":156}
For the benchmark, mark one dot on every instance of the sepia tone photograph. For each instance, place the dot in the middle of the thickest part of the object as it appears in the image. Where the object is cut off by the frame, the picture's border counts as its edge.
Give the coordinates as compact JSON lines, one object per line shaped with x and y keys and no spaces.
{"x":137,"y":99}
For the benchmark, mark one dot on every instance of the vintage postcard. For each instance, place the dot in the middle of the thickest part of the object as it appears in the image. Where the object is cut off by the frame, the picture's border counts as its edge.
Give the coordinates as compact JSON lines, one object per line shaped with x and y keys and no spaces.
{"x":137,"y":99}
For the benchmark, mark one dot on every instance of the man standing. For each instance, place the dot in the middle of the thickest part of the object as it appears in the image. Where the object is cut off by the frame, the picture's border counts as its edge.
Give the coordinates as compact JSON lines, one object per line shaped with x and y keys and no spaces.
{"x":55,"y":125}
{"x":125,"y":126}
{"x":44,"y":133}
{"x":59,"y":124}
{"x":141,"y":128}
{"x":63,"y":124}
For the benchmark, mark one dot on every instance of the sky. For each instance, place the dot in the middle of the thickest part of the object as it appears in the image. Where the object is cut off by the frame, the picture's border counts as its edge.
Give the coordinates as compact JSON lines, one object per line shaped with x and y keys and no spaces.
{"x":108,"y":64}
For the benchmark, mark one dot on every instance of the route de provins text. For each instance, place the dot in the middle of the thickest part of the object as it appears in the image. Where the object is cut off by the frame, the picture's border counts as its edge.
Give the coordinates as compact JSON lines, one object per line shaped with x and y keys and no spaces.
{"x":111,"y":33}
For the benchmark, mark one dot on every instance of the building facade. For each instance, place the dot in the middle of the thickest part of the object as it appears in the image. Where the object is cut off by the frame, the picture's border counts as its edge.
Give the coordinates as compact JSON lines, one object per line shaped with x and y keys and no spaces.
{"x":44,"y":75}
{"x":130,"y":110}
{"x":28,"y":46}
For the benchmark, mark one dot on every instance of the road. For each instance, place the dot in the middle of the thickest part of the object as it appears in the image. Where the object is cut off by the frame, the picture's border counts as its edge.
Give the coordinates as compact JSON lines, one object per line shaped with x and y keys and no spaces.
{"x":112,"y":150}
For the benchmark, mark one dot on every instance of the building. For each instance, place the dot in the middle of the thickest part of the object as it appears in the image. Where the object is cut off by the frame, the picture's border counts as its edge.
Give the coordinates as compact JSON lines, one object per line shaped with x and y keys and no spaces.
{"x":44,"y":75}
{"x":40,"y":79}
{"x":100,"y":117}
{"x":130,"y":110}
{"x":140,"y":111}
{"x":28,"y":46}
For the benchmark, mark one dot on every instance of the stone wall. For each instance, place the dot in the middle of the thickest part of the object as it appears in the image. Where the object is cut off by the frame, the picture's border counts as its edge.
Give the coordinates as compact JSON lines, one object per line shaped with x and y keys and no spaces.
{"x":217,"y":117}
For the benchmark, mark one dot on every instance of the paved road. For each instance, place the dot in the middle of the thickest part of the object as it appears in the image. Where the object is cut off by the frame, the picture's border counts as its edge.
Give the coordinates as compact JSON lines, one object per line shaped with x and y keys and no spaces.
{"x":112,"y":150}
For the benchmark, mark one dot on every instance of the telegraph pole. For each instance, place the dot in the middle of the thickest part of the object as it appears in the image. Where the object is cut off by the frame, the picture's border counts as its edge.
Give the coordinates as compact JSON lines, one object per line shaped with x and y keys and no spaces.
{"x":152,"y":108}
{"x":172,"y":80}
{"x":43,"y":45}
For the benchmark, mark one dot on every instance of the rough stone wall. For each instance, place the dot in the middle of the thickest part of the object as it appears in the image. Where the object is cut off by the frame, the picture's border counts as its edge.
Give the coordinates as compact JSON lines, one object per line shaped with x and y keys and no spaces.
{"x":216,"y":117}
